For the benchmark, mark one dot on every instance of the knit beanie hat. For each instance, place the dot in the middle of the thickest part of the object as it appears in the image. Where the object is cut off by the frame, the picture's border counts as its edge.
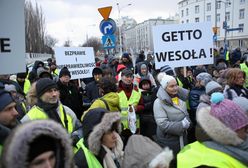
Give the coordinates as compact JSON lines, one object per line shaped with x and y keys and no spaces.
{"x":127,"y":72}
{"x":10,"y":88}
{"x":64,"y":72}
{"x":228,"y":112}
{"x":164,"y":79}
{"x":22,"y":75}
{"x":40,"y":145}
{"x":212,"y":87}
{"x":97,"y":70}
{"x":43,"y":85}
{"x":5,"y":99}
{"x":125,"y":55}
{"x":204,"y":77}
{"x":242,"y":102}
{"x":167,"y":69}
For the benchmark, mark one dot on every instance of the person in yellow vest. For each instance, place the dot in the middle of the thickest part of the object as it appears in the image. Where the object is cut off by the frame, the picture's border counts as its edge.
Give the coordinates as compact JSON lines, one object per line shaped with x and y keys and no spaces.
{"x":23,"y":82}
{"x":244,"y":67}
{"x":48,"y":106}
{"x":101,"y":145}
{"x":130,"y":100}
{"x":227,"y":126}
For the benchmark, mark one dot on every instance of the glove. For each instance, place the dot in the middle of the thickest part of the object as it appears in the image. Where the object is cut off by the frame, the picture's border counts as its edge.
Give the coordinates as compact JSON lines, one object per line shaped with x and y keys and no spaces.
{"x":185,"y":123}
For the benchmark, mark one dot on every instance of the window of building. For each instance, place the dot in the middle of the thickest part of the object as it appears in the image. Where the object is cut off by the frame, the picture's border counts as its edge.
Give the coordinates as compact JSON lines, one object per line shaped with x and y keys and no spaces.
{"x":187,"y":11}
{"x":208,"y":6}
{"x":242,"y":1}
{"x":182,"y":22}
{"x":182,"y":13}
{"x":218,"y":17}
{"x":241,"y":13}
{"x":197,"y":19}
{"x":197,"y":9}
{"x":208,"y":18}
{"x":187,"y":21}
{"x":241,"y":26}
{"x":227,"y":16}
{"x":218,"y":4}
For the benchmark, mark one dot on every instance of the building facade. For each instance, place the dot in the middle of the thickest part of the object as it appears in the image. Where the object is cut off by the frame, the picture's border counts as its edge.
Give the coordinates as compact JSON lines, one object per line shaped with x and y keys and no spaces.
{"x":231,"y":14}
{"x":139,"y":37}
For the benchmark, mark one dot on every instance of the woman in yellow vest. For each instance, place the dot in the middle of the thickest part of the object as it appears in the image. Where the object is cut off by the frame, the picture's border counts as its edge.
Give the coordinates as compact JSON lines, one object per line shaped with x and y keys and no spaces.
{"x":101,"y":146}
{"x":48,"y":106}
{"x":227,"y":125}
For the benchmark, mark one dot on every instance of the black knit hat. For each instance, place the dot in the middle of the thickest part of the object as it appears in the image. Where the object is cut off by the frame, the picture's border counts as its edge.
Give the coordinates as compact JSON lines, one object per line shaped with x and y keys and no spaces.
{"x":5,"y":99}
{"x":41,"y":145}
{"x":97,"y":70}
{"x":43,"y":85}
{"x":64,"y":72}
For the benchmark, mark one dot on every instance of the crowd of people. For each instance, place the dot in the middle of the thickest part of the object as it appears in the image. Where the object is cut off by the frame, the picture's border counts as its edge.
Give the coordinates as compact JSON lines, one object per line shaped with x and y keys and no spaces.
{"x":127,"y":115}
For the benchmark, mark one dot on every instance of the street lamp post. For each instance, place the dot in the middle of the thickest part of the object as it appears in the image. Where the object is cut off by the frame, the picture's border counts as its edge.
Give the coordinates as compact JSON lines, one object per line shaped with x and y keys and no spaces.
{"x":119,"y":18}
{"x":87,"y":43}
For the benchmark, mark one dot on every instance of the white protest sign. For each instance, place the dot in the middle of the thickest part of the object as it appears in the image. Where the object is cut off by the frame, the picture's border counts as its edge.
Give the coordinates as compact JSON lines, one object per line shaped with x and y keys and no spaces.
{"x":181,"y":45}
{"x":80,"y":61}
{"x":12,"y":37}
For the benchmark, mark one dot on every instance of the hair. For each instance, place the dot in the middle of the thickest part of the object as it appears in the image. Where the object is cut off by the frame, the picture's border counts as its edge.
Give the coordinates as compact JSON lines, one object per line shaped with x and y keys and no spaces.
{"x":107,"y":71}
{"x":232,"y":74}
{"x":108,"y":84}
{"x":32,"y":95}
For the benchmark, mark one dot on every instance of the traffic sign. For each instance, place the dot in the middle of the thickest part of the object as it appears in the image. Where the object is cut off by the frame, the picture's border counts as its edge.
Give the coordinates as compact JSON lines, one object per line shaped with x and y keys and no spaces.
{"x":215,"y":38}
{"x":108,"y":27}
{"x":108,"y":41}
{"x":105,"y":12}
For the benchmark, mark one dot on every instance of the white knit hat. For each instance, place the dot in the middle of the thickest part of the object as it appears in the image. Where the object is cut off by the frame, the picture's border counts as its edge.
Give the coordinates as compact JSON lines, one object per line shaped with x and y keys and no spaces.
{"x":164,"y":79}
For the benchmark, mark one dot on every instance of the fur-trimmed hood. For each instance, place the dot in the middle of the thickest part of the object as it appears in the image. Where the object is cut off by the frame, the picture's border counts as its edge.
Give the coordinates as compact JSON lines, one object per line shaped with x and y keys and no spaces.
{"x":17,"y":145}
{"x":97,"y":122}
{"x":216,"y":129}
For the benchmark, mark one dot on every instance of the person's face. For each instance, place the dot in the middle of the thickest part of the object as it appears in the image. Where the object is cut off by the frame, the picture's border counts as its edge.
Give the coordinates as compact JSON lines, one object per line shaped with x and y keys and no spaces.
{"x":65,"y":79}
{"x":172,"y":87}
{"x":20,"y":79}
{"x":146,"y":86}
{"x":44,"y":160}
{"x":127,"y":79}
{"x":50,"y":96}
{"x":124,"y":59}
{"x":97,"y":77}
{"x":109,"y":139}
{"x":240,"y":80}
{"x":189,"y":73}
{"x":53,"y":67}
{"x":8,"y":115}
{"x":242,"y":132}
{"x":143,"y":71}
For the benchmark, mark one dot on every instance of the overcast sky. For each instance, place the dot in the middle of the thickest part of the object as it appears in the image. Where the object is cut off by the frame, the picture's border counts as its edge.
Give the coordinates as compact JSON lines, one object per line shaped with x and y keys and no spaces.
{"x":73,"y":19}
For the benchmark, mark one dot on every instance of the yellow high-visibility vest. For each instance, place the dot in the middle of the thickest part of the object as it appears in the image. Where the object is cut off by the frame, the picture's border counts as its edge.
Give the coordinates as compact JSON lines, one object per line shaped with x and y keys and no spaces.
{"x":37,"y":113}
{"x":124,"y":105}
{"x":197,"y":154}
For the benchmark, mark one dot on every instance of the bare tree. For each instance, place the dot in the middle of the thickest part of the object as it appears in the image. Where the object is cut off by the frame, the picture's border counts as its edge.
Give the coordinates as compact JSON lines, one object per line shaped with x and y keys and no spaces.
{"x":67,"y":43}
{"x":93,"y":42}
{"x":36,"y":39}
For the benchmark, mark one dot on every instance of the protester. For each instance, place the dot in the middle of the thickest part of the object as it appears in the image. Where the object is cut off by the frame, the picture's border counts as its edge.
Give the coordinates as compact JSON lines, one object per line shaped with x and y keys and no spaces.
{"x":23,"y":82}
{"x":101,"y":145}
{"x":127,"y":61}
{"x":49,"y":106}
{"x":109,"y":98}
{"x":38,"y":144}
{"x":69,"y":93}
{"x":32,"y":77}
{"x":235,"y":84}
{"x":142,"y":71}
{"x":92,"y":90}
{"x":226,"y":124}
{"x":130,"y":100}
{"x":148,"y":125}
{"x":171,"y":114}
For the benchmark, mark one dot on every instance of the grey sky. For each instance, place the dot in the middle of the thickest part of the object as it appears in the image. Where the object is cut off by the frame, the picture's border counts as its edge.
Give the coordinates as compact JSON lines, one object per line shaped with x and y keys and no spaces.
{"x":73,"y":19}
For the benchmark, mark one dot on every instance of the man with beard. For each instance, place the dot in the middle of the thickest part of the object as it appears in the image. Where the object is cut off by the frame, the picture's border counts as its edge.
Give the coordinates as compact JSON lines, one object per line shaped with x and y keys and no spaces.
{"x":8,"y":114}
{"x":48,"y":106}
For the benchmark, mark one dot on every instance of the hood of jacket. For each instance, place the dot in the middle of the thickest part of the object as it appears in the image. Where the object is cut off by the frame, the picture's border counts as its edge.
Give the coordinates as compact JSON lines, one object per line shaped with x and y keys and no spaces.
{"x":95,"y":123}
{"x":112,"y":98}
{"x":216,"y":129}
{"x":17,"y":145}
